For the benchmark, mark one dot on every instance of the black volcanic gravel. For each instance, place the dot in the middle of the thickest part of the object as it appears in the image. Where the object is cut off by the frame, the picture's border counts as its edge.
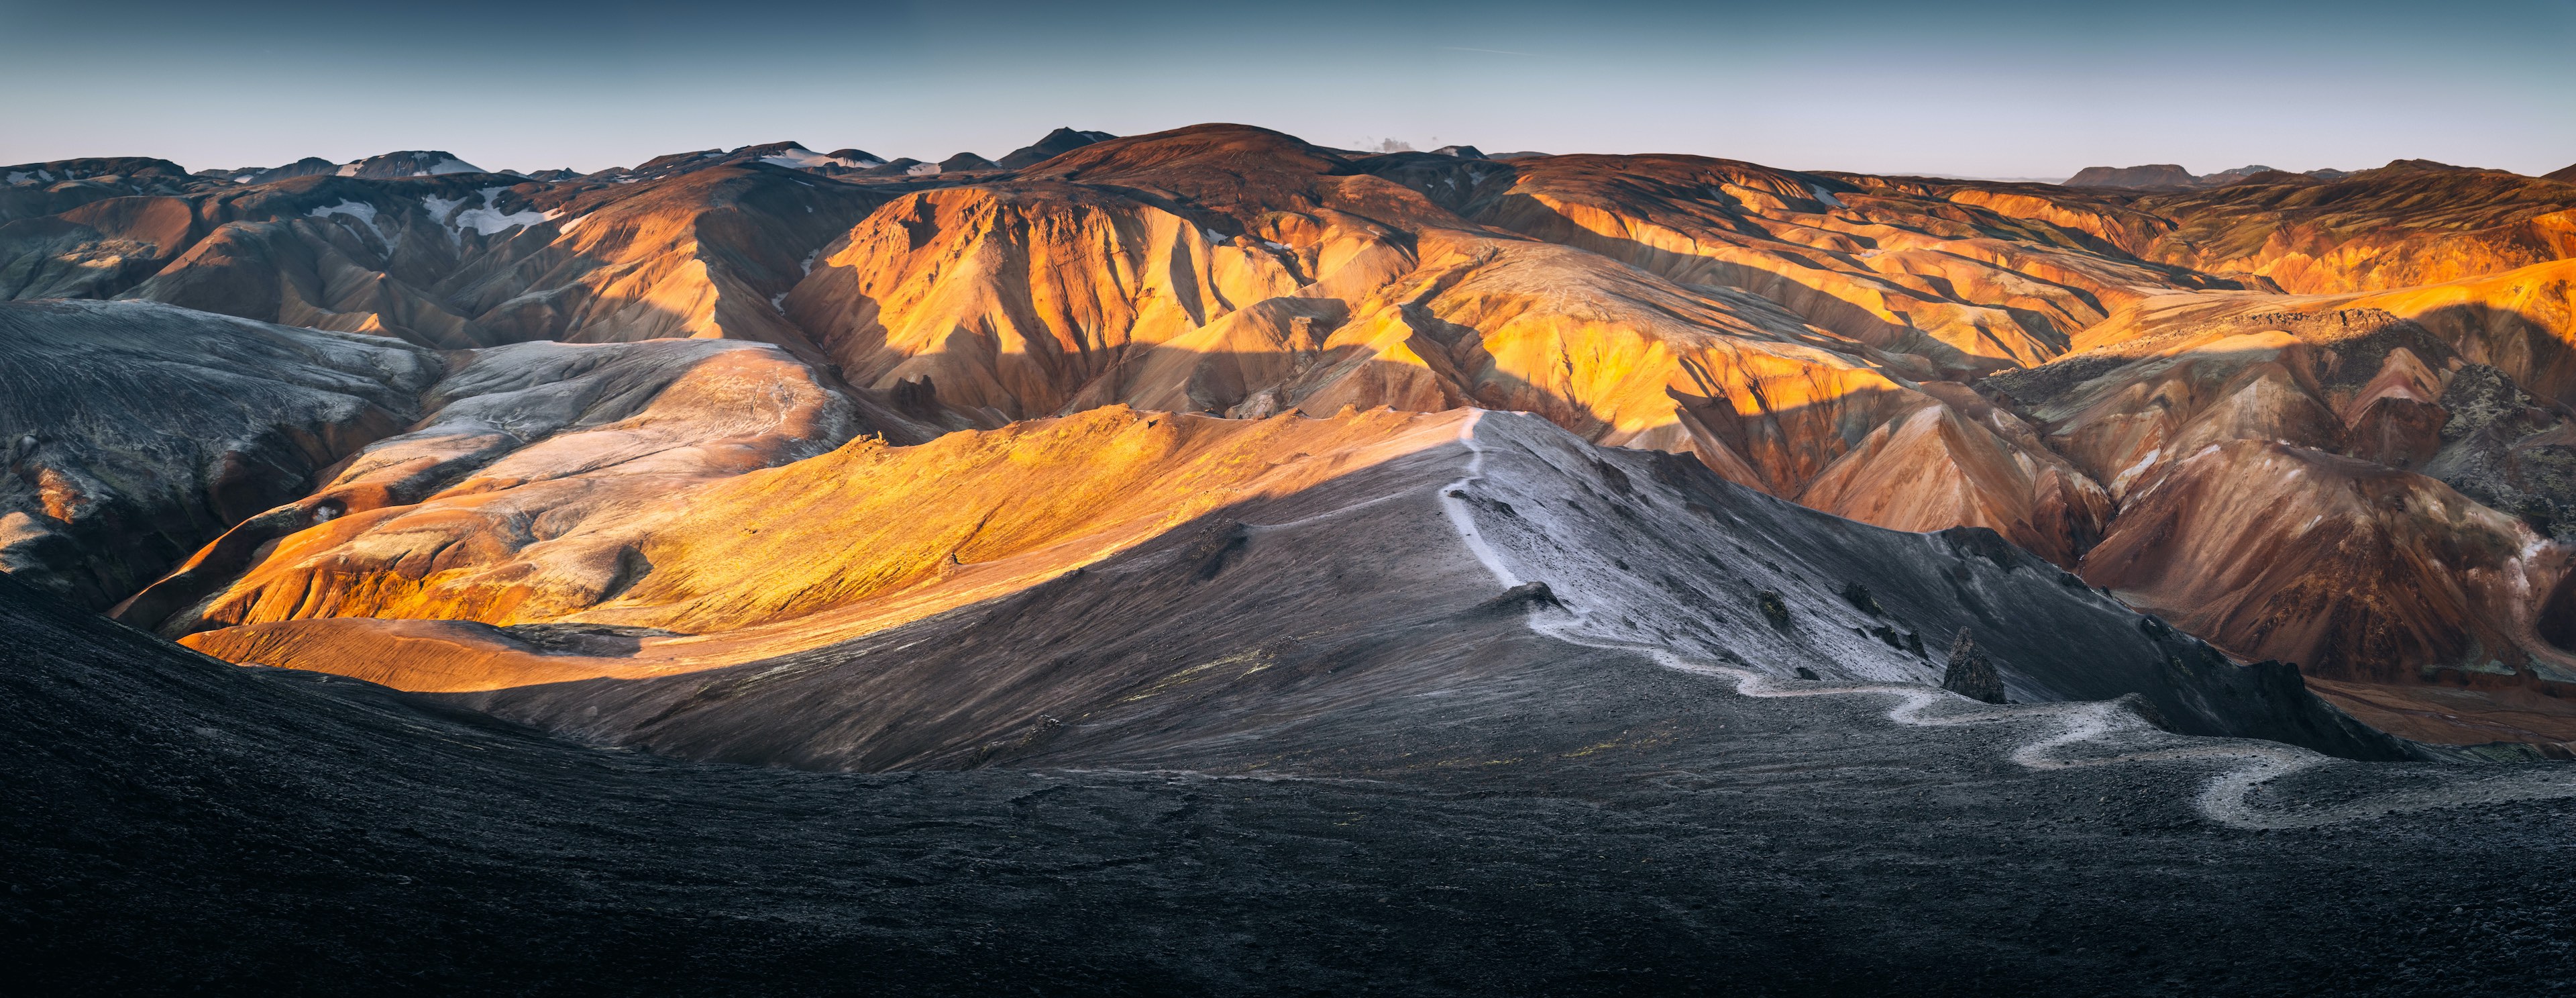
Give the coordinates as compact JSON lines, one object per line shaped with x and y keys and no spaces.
{"x":1582,"y":822}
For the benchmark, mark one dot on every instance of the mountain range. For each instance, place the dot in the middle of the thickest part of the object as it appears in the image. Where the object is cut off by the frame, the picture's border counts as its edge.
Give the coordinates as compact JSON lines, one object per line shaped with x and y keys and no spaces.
{"x":2156,"y":512}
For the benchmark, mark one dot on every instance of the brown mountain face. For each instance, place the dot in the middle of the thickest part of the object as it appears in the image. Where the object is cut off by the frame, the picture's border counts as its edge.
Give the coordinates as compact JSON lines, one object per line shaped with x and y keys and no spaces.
{"x":2373,"y":486}
{"x":2364,"y":477}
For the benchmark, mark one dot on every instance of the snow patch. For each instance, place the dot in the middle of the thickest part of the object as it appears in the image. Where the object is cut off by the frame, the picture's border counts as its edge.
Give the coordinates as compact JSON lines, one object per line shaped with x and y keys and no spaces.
{"x":365,"y":213}
{"x":800,"y":159}
{"x":2120,"y":482}
{"x":348,"y":169}
{"x":1826,"y":197}
{"x":486,"y":220}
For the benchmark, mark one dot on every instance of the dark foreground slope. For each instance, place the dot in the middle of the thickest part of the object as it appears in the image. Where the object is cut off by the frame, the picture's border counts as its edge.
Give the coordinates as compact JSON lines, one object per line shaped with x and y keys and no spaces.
{"x":1594,"y":822}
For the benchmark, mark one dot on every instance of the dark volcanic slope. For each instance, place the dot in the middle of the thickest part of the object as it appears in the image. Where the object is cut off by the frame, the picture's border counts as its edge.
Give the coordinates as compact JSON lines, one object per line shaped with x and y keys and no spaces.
{"x":1562,"y":819}
{"x":133,"y":432}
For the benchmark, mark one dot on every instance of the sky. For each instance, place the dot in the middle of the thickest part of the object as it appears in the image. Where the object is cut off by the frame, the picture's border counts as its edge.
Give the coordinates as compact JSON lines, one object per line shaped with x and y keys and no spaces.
{"x":1993,"y":88}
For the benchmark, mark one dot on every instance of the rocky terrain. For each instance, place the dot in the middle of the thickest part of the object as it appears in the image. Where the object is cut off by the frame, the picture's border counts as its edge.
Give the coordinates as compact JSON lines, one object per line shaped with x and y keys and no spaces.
{"x":1869,"y":549}
{"x":1469,"y":792}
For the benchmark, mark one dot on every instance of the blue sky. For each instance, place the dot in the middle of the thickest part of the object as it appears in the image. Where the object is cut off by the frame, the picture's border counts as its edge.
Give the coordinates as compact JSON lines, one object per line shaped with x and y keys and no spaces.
{"x":1990,"y":88}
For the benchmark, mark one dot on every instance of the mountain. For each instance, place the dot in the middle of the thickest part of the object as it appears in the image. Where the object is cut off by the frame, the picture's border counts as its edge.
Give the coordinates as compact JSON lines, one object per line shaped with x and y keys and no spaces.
{"x":1894,"y":350}
{"x":2151,"y":176}
{"x":134,"y":432}
{"x":2359,"y":484}
{"x":2166,"y":176}
{"x":36,"y":190}
{"x":2408,"y":223}
{"x":787,"y":155}
{"x":454,"y":260}
{"x":1056,"y":143}
{"x":2225,"y":177}
{"x":2566,"y":174}
{"x":306,"y":167}
{"x":409,"y":163}
{"x":1210,"y":562}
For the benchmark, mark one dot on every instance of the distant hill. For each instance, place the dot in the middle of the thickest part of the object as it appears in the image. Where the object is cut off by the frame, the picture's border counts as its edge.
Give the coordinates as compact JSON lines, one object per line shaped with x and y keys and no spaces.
{"x":2171,"y":177}
{"x":1056,"y":143}
{"x":407,"y":163}
{"x":2155,"y":175}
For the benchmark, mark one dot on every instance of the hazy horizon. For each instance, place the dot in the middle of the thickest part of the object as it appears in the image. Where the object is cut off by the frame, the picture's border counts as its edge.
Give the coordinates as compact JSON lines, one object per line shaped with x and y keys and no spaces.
{"x":1990,"y":89}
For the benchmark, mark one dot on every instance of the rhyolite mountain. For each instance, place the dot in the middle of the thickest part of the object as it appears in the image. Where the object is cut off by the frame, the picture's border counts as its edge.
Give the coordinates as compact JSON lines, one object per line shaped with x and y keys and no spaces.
{"x":1844,"y":341}
{"x":1217,"y":452}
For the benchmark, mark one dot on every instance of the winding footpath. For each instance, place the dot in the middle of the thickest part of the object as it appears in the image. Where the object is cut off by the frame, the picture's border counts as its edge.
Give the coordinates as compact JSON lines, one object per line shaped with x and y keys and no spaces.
{"x":2064,"y":735}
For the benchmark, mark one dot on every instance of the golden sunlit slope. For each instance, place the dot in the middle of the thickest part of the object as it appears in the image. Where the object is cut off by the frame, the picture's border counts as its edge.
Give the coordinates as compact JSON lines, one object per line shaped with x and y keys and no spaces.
{"x":1232,"y":270}
{"x":1972,"y":282}
{"x":769,"y":561}
{"x":2407,"y":223}
{"x":524,"y":441}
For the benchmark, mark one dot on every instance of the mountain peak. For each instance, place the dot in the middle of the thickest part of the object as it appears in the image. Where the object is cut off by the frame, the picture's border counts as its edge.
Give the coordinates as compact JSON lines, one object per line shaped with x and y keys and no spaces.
{"x":407,"y":163}
{"x":1056,"y":143}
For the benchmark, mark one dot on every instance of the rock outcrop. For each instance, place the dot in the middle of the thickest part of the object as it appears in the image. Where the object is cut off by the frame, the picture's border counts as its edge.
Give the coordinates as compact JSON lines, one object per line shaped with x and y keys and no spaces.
{"x":1969,"y":673}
